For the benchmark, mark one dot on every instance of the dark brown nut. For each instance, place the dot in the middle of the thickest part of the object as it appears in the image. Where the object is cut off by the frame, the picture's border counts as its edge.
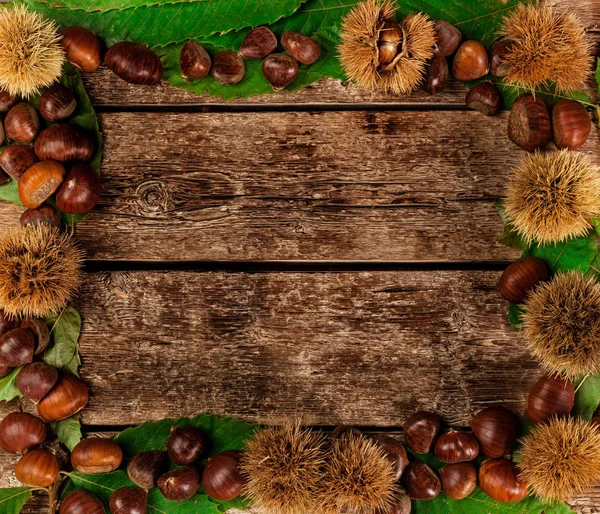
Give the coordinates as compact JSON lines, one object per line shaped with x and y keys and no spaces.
{"x":22,"y":123}
{"x":456,"y":446}
{"x":485,"y":98}
{"x":421,"y":482}
{"x":571,"y":124}
{"x":6,"y":100}
{"x":496,"y":430}
{"x":80,"y":191}
{"x":258,"y":43}
{"x":499,"y":479}
{"x":43,"y":215}
{"x":57,"y":103}
{"x":65,"y":143}
{"x":521,"y":278}
{"x":549,"y":397}
{"x":280,"y":70}
{"x":498,"y":52}
{"x":180,"y":484}
{"x":448,"y":37}
{"x":186,"y":445}
{"x":7,"y":322}
{"x":40,"y":182}
{"x":390,"y":39}
{"x":2,"y":133}
{"x":436,"y":75}
{"x":17,"y":347}
{"x":470,"y":62}
{"x":529,"y":123}
{"x":134,"y":63}
{"x":395,"y":453}
{"x":458,"y":480}
{"x":17,"y":159}
{"x":145,"y":468}
{"x":301,"y":47}
{"x":83,"y":48}
{"x":35,"y":380}
{"x":41,"y":331}
{"x":194,"y":61}
{"x":421,"y":430}
{"x":228,"y":68}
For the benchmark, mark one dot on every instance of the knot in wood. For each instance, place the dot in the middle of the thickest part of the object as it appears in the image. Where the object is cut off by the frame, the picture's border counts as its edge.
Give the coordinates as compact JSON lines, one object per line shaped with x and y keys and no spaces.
{"x":153,"y":197}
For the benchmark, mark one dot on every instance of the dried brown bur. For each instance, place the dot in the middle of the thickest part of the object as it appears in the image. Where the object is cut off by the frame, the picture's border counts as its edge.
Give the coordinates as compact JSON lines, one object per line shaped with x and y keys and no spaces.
{"x":379,"y":53}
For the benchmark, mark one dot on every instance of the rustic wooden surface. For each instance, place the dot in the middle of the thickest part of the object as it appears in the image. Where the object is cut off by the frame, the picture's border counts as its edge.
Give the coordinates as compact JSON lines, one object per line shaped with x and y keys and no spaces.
{"x":330,"y":254}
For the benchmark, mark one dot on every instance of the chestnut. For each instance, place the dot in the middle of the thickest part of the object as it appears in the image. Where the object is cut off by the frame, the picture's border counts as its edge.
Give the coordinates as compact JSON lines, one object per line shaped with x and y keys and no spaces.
{"x":420,"y":431}
{"x":22,"y":123}
{"x":80,"y":191}
{"x":400,"y":505}
{"x":497,"y":55}
{"x":41,"y":331}
{"x":69,"y":396}
{"x":448,"y":37}
{"x":228,"y":68}
{"x":280,"y":70}
{"x":421,"y":482}
{"x":496,"y":430}
{"x":17,"y":159}
{"x":2,"y":136}
{"x":456,"y":446}
{"x":40,"y":182}
{"x":81,"y":502}
{"x":44,"y":215}
{"x":17,"y":347}
{"x":82,"y":47}
{"x":186,"y":445}
{"x":6,"y":100}
{"x":96,"y":455}
{"x":128,"y":500}
{"x":550,"y":396}
{"x":180,"y":484}
{"x":35,"y":380}
{"x":529,"y":123}
{"x":390,"y":37}
{"x":65,"y":143}
{"x":470,"y":62}
{"x":499,"y":479}
{"x":7,"y":322}
{"x":37,"y":468}
{"x":395,"y":453}
{"x":436,"y":74}
{"x":194,"y":61}
{"x":258,"y":43}
{"x":20,"y":432}
{"x":571,"y":124}
{"x":146,"y":467}
{"x":222,"y":479}
{"x":485,"y":98}
{"x":134,"y":63}
{"x":458,"y":480}
{"x":302,"y":48}
{"x":57,"y":103}
{"x":521,"y":278}
{"x":5,"y":370}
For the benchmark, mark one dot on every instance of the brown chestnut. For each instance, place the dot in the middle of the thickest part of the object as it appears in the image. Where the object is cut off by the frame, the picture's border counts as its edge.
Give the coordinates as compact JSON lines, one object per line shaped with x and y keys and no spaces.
{"x":497,"y":55}
{"x":7,"y":322}
{"x":82,"y":47}
{"x":280,"y":70}
{"x":40,"y":182}
{"x":57,"y":103}
{"x":194,"y":61}
{"x":81,"y":502}
{"x":550,"y":396}
{"x":69,"y":396}
{"x":41,"y":331}
{"x":17,"y":347}
{"x":302,"y":48}
{"x":258,"y":43}
{"x":420,"y":431}
{"x":228,"y":68}
{"x":35,"y":380}
{"x":80,"y":191}
{"x":186,"y":445}
{"x":17,"y":159}
{"x":522,"y":277}
{"x":395,"y":453}
{"x":496,"y":430}
{"x":37,"y":468}
{"x":180,"y":484}
{"x":22,"y":123}
{"x":448,"y":37}
{"x":456,"y":446}
{"x":485,"y":98}
{"x":498,"y":478}
{"x":529,"y":123}
{"x":571,"y":124}
{"x":146,"y":467}
{"x":458,"y":480}
{"x":421,"y":482}
{"x":128,"y":500}
{"x":2,"y":139}
{"x":44,"y":215}
{"x":134,"y":63}
{"x":400,"y":505}
{"x":6,"y":100}
{"x":436,"y":74}
{"x":20,"y":432}
{"x":222,"y":479}
{"x":390,"y":38}
{"x":96,"y":455}
{"x":470,"y":62}
{"x":65,"y":143}
{"x":5,"y":370}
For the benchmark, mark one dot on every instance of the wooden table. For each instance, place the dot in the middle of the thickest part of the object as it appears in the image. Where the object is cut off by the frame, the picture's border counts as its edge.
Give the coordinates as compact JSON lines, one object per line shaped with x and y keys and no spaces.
{"x":330,"y":254}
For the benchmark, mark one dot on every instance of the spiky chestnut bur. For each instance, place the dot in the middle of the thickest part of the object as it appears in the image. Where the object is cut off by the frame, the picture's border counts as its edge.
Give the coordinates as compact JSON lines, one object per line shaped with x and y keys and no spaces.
{"x":561,"y":459}
{"x":552,"y":197}
{"x":362,"y":40}
{"x":561,"y":324}
{"x":548,"y":47}
{"x":31,"y":57}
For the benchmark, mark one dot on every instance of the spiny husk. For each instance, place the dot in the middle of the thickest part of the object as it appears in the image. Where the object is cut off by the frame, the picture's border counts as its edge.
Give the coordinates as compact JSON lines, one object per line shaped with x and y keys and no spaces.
{"x":561,"y":458}
{"x":358,"y":50}
{"x":40,"y":271}
{"x":31,"y":56}
{"x":553,"y":196}
{"x":548,"y":47}
{"x":283,"y":467}
{"x":561,"y":324}
{"x":358,"y":477}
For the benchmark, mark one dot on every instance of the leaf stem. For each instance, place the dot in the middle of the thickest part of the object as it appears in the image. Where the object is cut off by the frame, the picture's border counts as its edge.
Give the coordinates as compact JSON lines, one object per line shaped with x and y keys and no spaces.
{"x":53,"y":495}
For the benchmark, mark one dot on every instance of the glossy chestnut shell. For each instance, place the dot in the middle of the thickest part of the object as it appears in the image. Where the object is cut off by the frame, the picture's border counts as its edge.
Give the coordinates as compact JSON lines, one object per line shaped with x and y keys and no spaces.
{"x":550,"y":396}
{"x":83,"y":48}
{"x":20,"y":432}
{"x":421,"y":430}
{"x":448,"y":37}
{"x":40,"y":182}
{"x":186,"y":445}
{"x":421,"y":482}
{"x":69,"y":396}
{"x":194,"y":61}
{"x":37,"y":468}
{"x":81,"y":502}
{"x":65,"y":143}
{"x":80,"y":191}
{"x":35,"y":380}
{"x":529,"y":123}
{"x":301,"y":47}
{"x":22,"y":123}
{"x":456,"y":446}
{"x":498,"y":478}
{"x":470,"y":62}
{"x":571,"y":124}
{"x":41,"y":331}
{"x":222,"y":479}
{"x":436,"y":74}
{"x":228,"y":68}
{"x":17,"y":347}
{"x":522,"y":277}
{"x":57,"y":103}
{"x":134,"y":63}
{"x":180,"y":484}
{"x":43,"y":215}
{"x":395,"y":453}
{"x":145,"y":468}
{"x":496,"y":430}
{"x":258,"y":43}
{"x":17,"y":159}
{"x":96,"y":455}
{"x":128,"y":500}
{"x":280,"y":70}
{"x":458,"y":480}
